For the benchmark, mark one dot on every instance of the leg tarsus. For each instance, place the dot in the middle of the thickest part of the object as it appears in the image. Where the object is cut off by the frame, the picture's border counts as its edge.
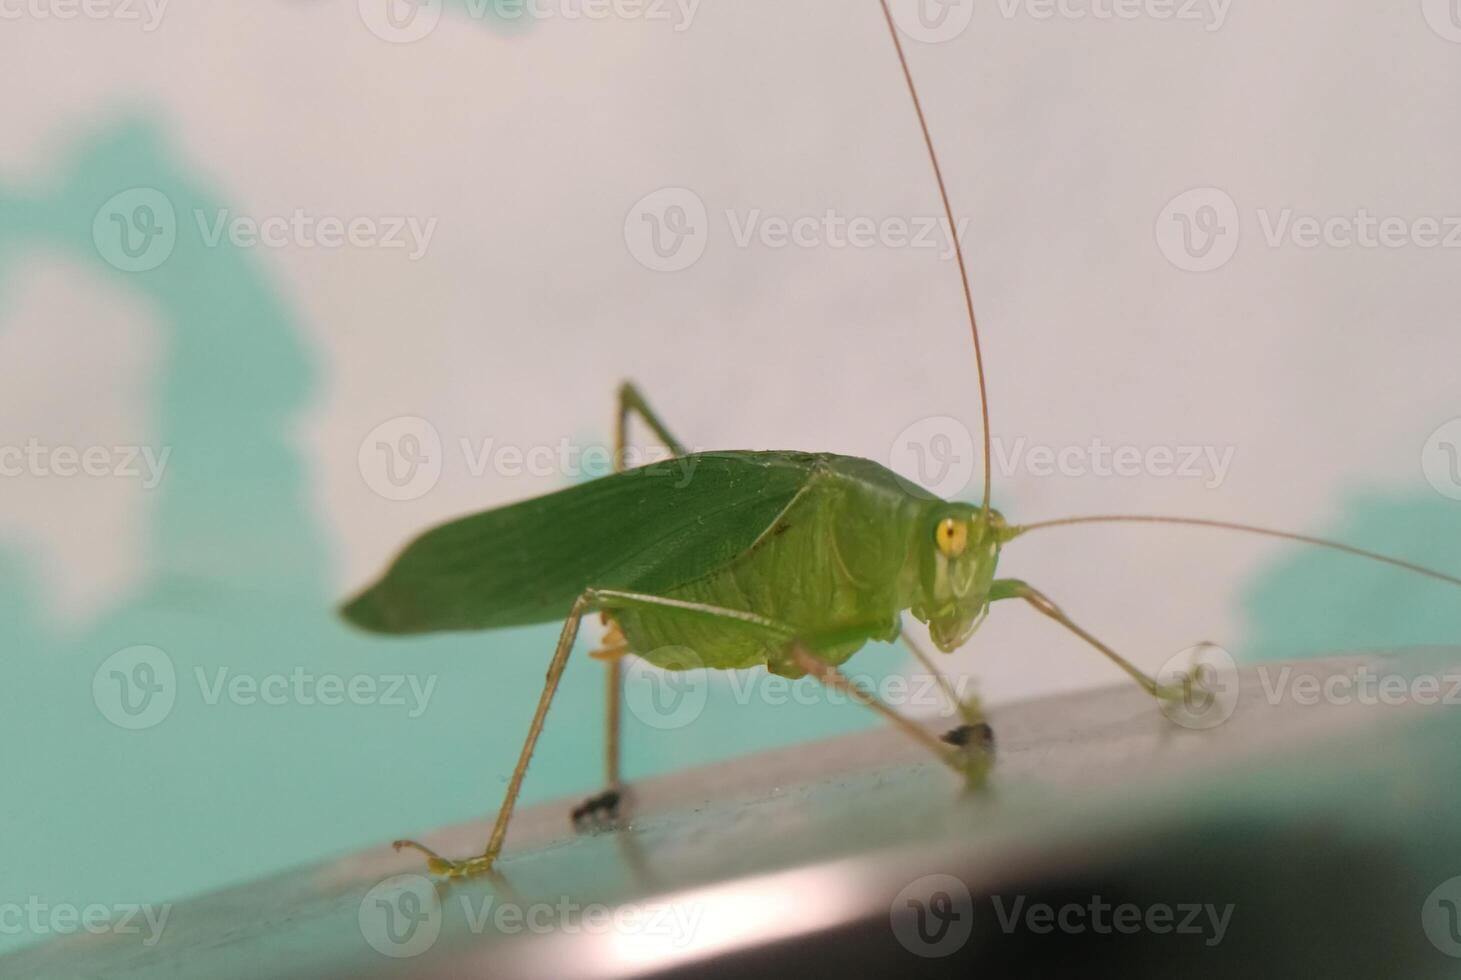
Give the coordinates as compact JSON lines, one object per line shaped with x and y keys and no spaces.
{"x":446,"y":867}
{"x":975,"y":745}
{"x":598,"y":812}
{"x":1188,"y":682}
{"x":978,"y":735}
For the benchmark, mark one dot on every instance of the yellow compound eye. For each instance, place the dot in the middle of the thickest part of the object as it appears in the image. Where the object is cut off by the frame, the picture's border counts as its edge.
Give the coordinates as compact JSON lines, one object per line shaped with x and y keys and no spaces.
{"x":952,"y":537}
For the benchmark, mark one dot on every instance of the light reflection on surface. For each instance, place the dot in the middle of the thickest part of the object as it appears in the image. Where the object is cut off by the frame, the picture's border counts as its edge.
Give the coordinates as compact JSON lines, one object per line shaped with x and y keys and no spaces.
{"x":740,"y":915}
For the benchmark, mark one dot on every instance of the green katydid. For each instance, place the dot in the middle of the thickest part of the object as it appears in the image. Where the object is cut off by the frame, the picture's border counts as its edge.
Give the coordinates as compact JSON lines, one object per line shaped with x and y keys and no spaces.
{"x":785,"y":560}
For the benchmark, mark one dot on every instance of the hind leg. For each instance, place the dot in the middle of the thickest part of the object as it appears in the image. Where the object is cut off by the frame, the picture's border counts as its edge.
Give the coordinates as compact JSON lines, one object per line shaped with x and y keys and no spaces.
{"x":484,"y":862}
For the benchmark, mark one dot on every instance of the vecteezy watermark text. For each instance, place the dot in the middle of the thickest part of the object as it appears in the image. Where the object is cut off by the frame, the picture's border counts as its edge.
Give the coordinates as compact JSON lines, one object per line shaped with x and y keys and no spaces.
{"x":939,"y":453}
{"x":1208,"y":464}
{"x":674,"y":695}
{"x":668,"y":230}
{"x":933,"y":917}
{"x":833,"y":230}
{"x":147,"y":13}
{"x":1210,"y":14}
{"x":1363,"y":686}
{"x":304,"y":687}
{"x":37,"y":917}
{"x":402,"y":917}
{"x":935,"y":21}
{"x":1199,"y":230}
{"x":138,"y":229}
{"x":37,"y":459}
{"x":408,"y":21}
{"x":404,"y":458}
{"x":1106,"y":918}
{"x":137,"y":688}
{"x":301,"y":229}
{"x":1214,"y":692}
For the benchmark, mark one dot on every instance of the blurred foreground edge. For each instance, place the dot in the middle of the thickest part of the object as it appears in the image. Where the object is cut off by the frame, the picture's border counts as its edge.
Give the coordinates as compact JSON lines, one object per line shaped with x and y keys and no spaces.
{"x":1314,"y":829}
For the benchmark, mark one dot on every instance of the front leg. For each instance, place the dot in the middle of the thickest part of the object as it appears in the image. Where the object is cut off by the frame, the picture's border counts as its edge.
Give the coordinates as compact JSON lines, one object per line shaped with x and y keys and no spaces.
{"x":1187,"y":684}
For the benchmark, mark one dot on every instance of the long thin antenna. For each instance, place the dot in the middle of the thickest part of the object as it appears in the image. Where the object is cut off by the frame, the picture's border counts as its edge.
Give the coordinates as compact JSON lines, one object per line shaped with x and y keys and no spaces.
{"x":1232,"y":526}
{"x":953,"y":233}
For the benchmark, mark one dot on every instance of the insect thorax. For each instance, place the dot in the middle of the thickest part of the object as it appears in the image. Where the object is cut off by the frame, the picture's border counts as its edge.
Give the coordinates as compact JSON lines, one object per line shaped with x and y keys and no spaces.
{"x":835,"y":567}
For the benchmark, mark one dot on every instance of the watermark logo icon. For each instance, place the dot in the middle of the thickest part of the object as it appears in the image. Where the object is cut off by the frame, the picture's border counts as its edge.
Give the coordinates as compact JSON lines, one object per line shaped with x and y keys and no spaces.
{"x":1440,"y":459}
{"x":1207,"y":676}
{"x":401,"y":21}
{"x":401,"y":459}
{"x":136,"y":230}
{"x":401,"y":916}
{"x":1199,"y":230}
{"x":1444,"y":18}
{"x":667,"y":230}
{"x":135,"y":688}
{"x":933,"y":917}
{"x":1440,"y":917}
{"x":939,"y":454}
{"x":671,"y":695}
{"x":932,"y":21}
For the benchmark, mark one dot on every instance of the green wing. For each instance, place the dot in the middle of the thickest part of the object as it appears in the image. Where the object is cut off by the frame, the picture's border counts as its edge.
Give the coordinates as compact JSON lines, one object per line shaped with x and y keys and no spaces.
{"x":646,"y":529}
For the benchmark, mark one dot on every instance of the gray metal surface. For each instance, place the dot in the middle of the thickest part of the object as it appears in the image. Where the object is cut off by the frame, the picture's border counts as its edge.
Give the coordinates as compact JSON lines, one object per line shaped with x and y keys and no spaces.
{"x":758,"y":862}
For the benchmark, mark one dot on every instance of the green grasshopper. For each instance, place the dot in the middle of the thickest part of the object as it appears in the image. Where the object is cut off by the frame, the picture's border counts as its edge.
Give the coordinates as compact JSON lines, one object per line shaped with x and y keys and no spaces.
{"x":785,"y":560}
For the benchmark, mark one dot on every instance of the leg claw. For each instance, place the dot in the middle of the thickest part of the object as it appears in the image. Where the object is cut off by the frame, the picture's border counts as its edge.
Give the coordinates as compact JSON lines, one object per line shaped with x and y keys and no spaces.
{"x":974,"y":749}
{"x":447,"y":868}
{"x":978,"y":735}
{"x":1186,"y":685}
{"x":598,"y":812}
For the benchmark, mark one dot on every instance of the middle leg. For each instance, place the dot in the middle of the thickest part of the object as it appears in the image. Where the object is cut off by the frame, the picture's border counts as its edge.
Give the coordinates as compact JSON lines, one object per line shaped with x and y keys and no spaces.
{"x":972,"y":765}
{"x":604,"y":808}
{"x":975,"y":733}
